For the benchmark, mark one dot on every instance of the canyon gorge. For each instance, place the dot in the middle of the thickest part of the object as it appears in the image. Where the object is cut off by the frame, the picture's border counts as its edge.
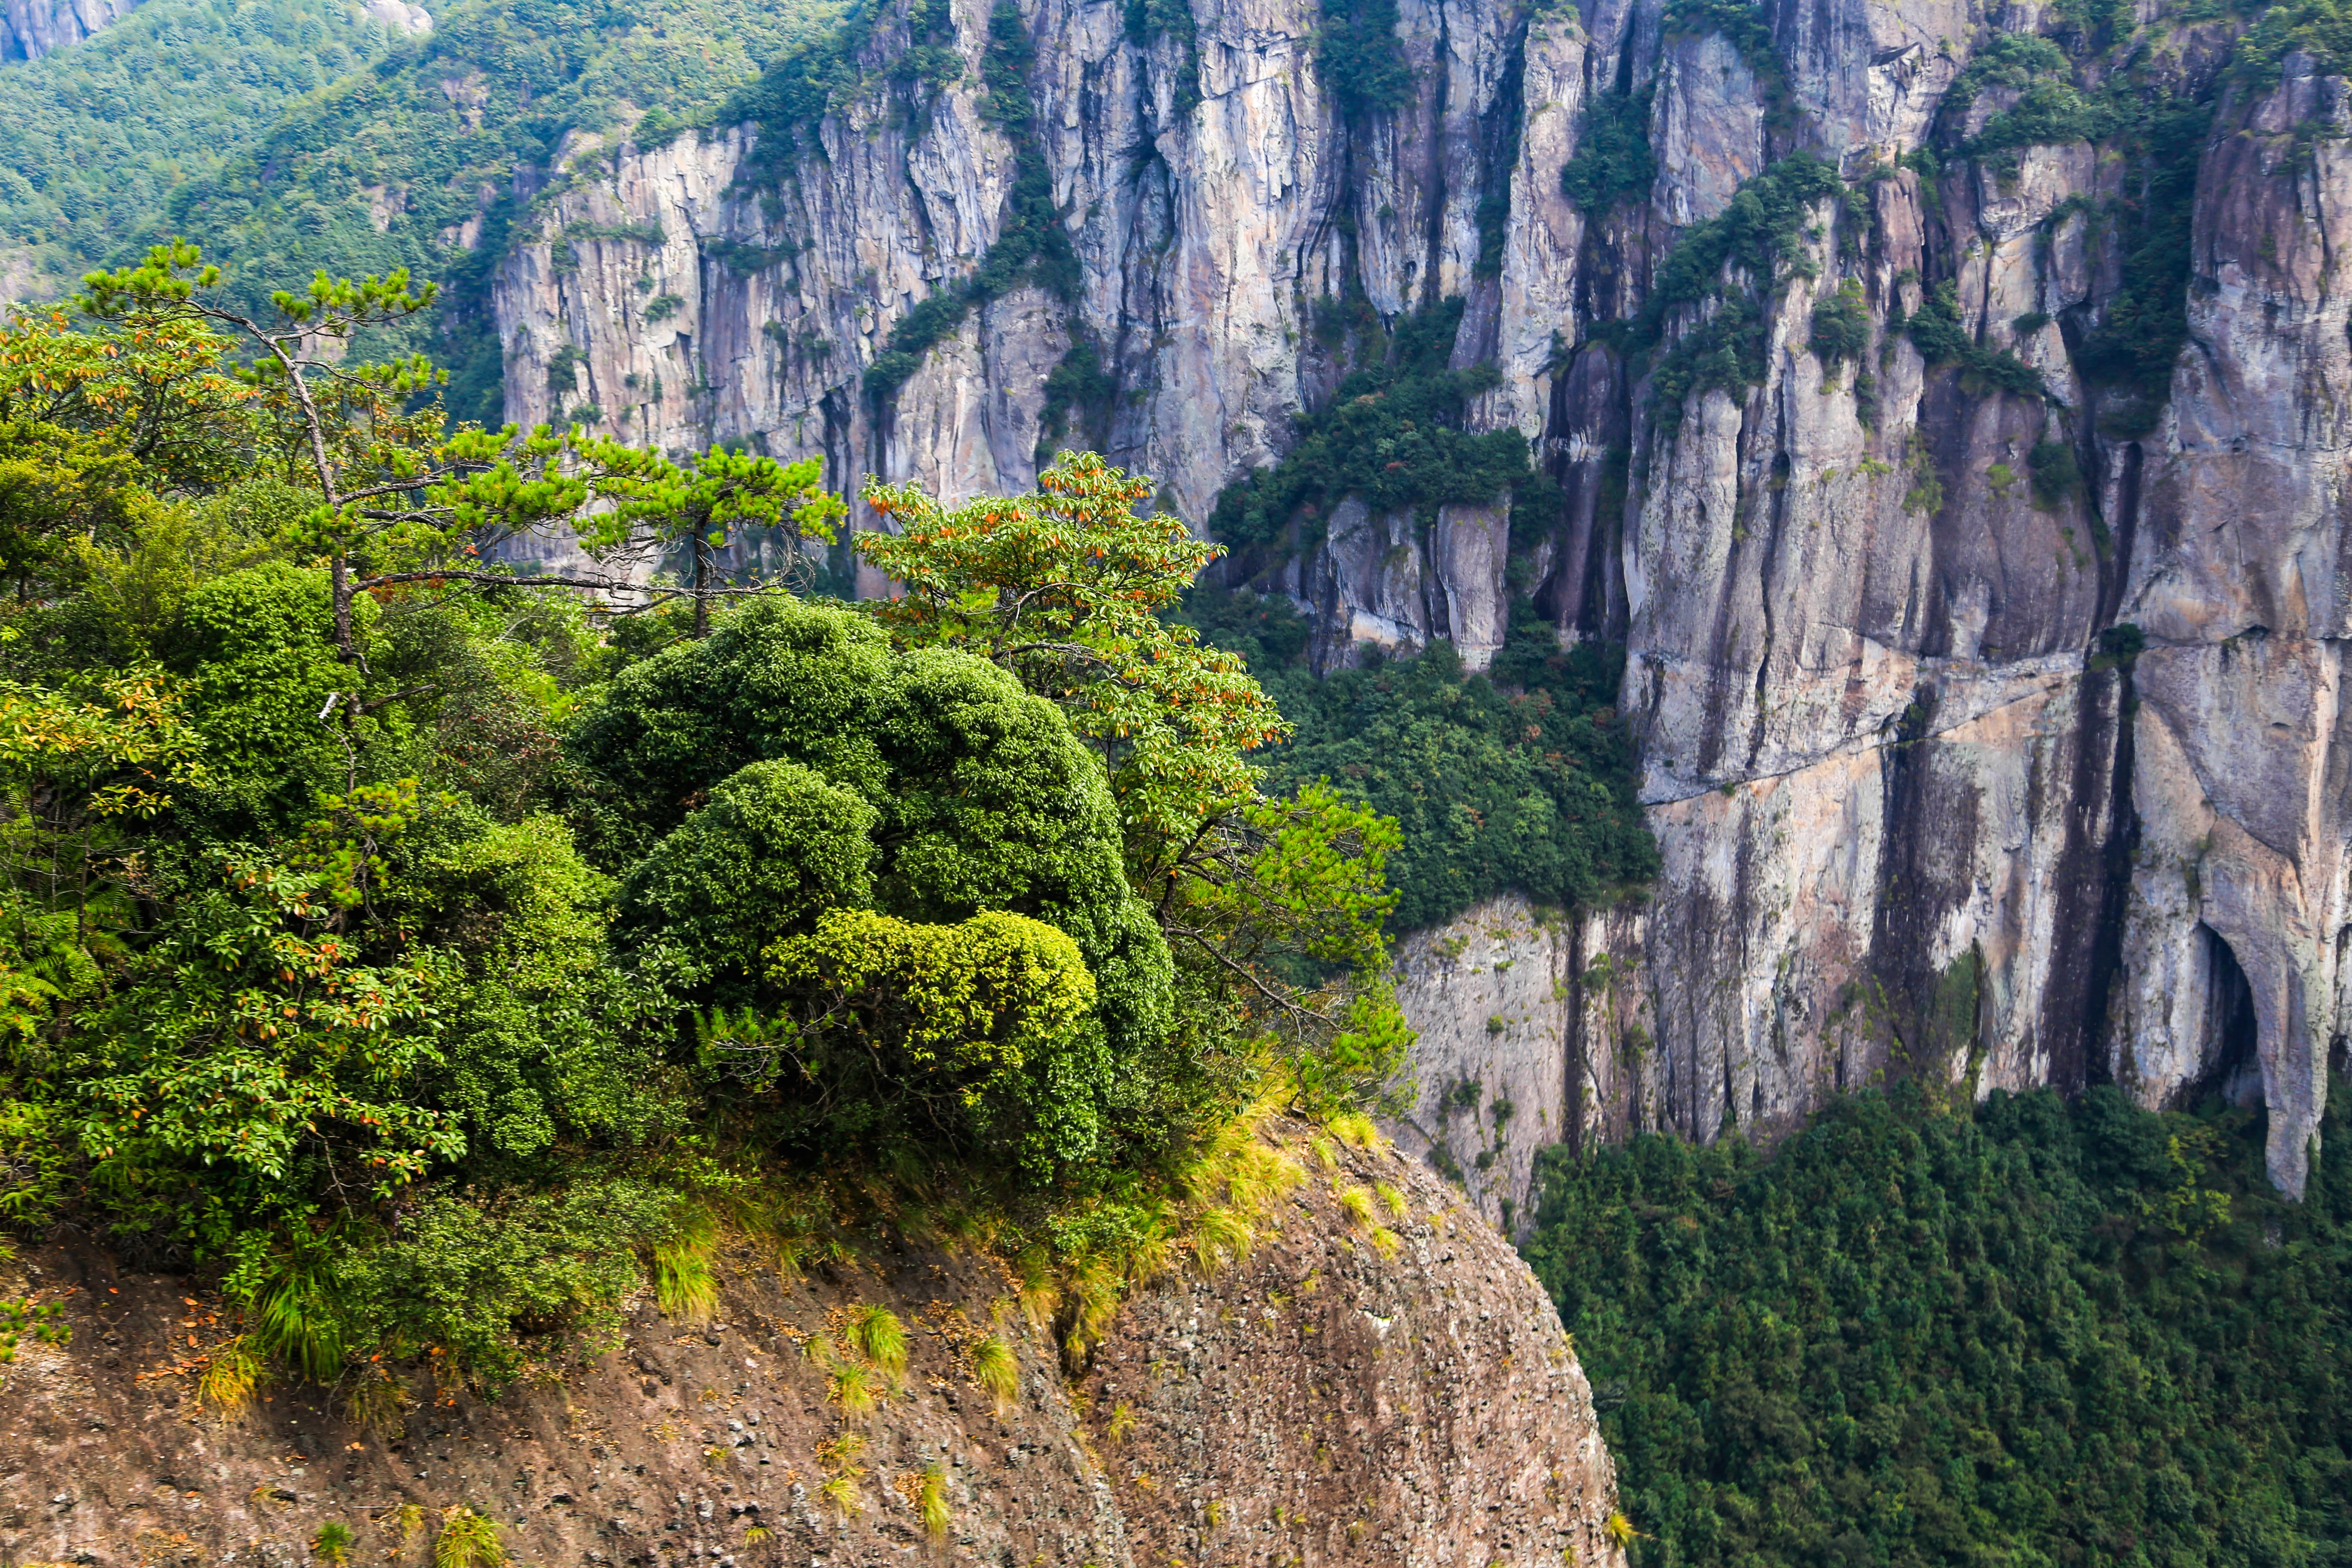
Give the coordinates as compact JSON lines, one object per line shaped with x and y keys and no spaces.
{"x":1987,"y":704}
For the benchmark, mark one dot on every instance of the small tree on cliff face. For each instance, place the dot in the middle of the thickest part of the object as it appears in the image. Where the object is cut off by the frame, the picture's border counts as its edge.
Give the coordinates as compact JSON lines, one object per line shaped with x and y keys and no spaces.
{"x":1064,"y":587}
{"x":401,"y":498}
{"x":705,"y":504}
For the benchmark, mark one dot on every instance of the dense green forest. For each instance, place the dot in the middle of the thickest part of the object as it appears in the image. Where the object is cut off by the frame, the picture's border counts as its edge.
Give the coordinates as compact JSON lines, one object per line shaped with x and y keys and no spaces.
{"x":2032,"y":1334}
{"x":286,"y":136}
{"x":94,"y":140}
{"x":428,"y":954}
{"x":1519,"y":779}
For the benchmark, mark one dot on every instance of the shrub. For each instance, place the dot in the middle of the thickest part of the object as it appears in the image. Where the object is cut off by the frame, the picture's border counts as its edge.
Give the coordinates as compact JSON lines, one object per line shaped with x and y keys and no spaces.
{"x":2057,"y":478}
{"x":1841,"y":325}
{"x":1613,"y":162}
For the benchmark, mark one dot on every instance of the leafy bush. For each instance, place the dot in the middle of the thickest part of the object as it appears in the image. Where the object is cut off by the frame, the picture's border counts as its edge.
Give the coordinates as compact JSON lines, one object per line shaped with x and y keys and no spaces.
{"x":2057,"y":478}
{"x":1841,"y":325}
{"x":928,"y":785}
{"x":497,"y":1281}
{"x":2004,"y":60}
{"x":2055,"y":1334}
{"x":2320,"y":28}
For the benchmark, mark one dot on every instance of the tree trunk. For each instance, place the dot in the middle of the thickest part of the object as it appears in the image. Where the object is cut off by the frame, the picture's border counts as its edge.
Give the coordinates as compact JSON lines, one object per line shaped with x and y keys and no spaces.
{"x":701,"y":585}
{"x":342,"y":598}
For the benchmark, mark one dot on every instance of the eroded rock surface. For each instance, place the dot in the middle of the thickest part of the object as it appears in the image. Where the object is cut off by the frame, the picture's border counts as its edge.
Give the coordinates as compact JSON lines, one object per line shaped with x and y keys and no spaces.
{"x":31,"y":28}
{"x":1322,"y":1402}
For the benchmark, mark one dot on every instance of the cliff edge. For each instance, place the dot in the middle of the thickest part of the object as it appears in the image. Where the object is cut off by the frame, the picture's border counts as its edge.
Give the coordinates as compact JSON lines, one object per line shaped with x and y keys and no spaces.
{"x":1337,"y":1395}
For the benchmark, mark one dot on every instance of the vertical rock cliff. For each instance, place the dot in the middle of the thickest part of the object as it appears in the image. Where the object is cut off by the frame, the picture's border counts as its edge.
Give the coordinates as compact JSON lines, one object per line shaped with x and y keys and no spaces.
{"x":1985,"y":632}
{"x":31,"y":28}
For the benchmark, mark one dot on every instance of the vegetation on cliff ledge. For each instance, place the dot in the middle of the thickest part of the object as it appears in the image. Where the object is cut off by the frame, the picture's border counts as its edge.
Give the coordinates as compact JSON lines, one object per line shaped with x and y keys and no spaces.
{"x":1519,"y":779}
{"x":434,"y":955}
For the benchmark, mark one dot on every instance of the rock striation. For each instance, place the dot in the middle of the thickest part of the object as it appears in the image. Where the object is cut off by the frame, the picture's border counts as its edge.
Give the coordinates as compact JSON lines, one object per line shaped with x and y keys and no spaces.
{"x":31,"y":28}
{"x":1955,"y":773}
{"x":1322,"y":1402}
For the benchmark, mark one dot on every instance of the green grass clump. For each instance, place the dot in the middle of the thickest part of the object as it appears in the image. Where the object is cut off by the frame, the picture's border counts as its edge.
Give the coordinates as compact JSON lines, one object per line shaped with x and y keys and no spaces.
{"x":931,"y":1504}
{"x":685,"y":1282}
{"x":880,"y":1339}
{"x":994,"y":1369}
{"x":467,"y":1540}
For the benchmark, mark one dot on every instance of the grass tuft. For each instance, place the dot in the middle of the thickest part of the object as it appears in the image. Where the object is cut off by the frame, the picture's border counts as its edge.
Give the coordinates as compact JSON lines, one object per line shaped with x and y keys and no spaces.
{"x":467,"y":1541}
{"x":932,"y":1504}
{"x":332,"y":1545}
{"x":684,"y":1282}
{"x":1391,"y":1197}
{"x":848,"y":1388}
{"x":1357,"y":1202}
{"x":377,"y":1402}
{"x":880,"y":1339}
{"x":841,"y":1492}
{"x":228,"y":1384}
{"x":1221,"y":1237}
{"x":993,"y":1368}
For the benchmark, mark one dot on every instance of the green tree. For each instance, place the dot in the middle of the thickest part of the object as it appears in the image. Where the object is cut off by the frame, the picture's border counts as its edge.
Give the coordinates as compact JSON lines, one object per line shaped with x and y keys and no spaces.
{"x":1065,"y":588}
{"x":704,"y":504}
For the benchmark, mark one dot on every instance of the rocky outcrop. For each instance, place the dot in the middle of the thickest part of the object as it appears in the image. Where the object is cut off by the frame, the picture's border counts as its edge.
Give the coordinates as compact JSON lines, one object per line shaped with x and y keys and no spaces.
{"x":31,"y":28}
{"x":1954,"y":774}
{"x":1324,"y":1400}
{"x":1535,"y":1032}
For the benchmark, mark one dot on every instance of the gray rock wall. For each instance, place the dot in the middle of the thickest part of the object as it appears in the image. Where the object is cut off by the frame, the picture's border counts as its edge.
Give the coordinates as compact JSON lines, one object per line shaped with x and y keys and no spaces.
{"x":1913,"y":820}
{"x":31,"y":28}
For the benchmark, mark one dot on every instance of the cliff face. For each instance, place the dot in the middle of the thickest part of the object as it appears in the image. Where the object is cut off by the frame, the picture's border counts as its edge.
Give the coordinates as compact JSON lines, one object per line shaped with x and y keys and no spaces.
{"x":1955,"y":773}
{"x":1317,"y":1402}
{"x":31,"y":28}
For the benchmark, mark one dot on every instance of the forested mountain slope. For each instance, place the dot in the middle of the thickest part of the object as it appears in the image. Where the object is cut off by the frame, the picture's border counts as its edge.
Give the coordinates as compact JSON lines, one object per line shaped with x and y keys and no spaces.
{"x":2043,"y":1334}
{"x":96,"y":141}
